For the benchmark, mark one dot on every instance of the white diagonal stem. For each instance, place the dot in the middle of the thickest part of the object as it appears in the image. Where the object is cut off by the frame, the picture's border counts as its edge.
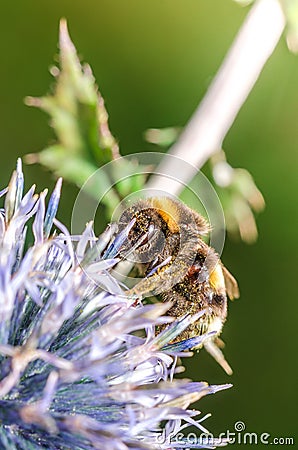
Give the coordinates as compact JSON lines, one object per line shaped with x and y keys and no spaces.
{"x":204,"y":134}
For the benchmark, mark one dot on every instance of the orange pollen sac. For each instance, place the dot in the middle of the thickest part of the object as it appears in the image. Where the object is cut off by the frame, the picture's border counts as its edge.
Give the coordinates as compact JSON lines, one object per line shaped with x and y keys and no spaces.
{"x":217,"y":279}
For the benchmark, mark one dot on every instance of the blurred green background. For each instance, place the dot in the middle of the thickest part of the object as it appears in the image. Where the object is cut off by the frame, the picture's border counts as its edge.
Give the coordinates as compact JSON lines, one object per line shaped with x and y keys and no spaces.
{"x":153,"y":61}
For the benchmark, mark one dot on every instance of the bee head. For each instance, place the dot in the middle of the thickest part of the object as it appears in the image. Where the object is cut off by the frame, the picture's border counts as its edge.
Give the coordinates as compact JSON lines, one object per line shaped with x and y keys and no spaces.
{"x":145,"y":230}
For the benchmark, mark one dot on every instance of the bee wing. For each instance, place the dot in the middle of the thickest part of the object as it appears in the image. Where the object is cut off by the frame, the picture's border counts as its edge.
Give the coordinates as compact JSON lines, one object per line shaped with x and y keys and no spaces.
{"x":231,"y":284}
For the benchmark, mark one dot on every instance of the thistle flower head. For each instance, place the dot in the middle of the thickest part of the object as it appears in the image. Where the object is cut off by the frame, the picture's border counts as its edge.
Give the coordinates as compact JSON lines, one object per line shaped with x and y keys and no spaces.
{"x":80,"y":364}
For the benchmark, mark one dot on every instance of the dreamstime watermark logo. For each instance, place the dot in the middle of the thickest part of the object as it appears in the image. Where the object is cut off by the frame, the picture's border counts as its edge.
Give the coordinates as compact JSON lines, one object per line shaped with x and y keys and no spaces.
{"x":239,"y":435}
{"x":102,"y":182}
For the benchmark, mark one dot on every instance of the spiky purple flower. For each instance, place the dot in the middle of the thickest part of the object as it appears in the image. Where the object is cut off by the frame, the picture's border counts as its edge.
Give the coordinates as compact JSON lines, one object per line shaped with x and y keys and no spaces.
{"x":80,"y":364}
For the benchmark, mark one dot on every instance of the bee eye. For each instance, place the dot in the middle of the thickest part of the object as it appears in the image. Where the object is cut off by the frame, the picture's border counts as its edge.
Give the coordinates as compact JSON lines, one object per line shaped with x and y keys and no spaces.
{"x":146,"y":244}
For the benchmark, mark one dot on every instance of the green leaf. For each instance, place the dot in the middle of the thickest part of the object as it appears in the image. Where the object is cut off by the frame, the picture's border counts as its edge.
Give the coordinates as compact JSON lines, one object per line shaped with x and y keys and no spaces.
{"x":239,"y":196}
{"x":77,"y":111}
{"x":84,"y":141}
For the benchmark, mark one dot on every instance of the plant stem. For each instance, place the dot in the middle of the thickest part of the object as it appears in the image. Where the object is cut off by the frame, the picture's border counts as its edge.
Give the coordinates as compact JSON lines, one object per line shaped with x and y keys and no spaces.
{"x":204,"y":134}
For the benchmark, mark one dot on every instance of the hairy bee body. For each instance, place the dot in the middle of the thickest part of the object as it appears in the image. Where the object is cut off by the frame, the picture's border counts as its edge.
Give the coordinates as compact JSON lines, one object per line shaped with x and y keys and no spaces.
{"x":200,"y":290}
{"x":165,"y":241}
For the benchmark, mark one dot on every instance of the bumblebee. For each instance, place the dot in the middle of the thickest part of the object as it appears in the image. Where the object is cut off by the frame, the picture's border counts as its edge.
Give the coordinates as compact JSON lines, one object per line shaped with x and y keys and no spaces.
{"x":164,"y":238}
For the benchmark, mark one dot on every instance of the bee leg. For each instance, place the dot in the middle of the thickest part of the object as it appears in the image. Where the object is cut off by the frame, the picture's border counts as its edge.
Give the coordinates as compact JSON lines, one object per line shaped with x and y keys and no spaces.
{"x":171,"y":274}
{"x":157,"y":283}
{"x":218,"y":355}
{"x":219,"y":342}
